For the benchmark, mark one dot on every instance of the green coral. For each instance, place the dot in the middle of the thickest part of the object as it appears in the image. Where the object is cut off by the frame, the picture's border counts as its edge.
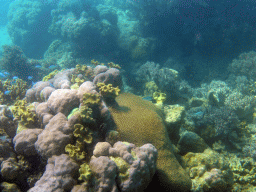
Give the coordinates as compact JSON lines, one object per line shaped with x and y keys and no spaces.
{"x":73,"y":112}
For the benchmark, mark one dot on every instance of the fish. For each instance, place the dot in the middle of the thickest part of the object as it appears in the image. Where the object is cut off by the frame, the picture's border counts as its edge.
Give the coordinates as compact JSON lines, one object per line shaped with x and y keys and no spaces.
{"x":38,"y":66}
{"x":7,"y":92}
{"x":2,"y":75}
{"x":15,"y":77}
{"x":52,"y":67}
{"x":148,"y":98}
{"x":6,"y":73}
{"x":52,"y":85}
{"x":30,"y":77}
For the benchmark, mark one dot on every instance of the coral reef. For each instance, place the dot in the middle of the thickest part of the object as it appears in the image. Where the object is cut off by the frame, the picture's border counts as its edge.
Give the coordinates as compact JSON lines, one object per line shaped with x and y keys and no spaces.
{"x":217,"y":123}
{"x":84,"y":136}
{"x":245,"y":65}
{"x":139,"y":122}
{"x":108,"y":92}
{"x":166,"y":80}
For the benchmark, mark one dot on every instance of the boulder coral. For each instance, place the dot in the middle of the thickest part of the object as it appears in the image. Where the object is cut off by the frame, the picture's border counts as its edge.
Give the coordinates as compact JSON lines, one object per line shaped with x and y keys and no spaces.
{"x":53,"y":139}
{"x":123,"y":167}
{"x":140,"y":122}
{"x":59,"y":175}
{"x":111,"y":76}
{"x":24,"y":142}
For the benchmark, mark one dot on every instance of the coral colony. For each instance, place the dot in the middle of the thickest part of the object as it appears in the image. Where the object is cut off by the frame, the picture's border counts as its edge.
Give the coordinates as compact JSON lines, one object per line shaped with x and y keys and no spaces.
{"x":121,"y":96}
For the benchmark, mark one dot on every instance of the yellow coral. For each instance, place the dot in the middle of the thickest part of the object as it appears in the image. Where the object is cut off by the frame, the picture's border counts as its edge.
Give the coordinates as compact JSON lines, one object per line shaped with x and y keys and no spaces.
{"x":86,"y":114}
{"x":83,"y":133}
{"x":159,"y":97}
{"x":76,"y":80}
{"x":16,"y":90}
{"x":108,"y":90}
{"x":91,"y":99}
{"x":113,"y":65}
{"x":81,"y":68}
{"x":123,"y":168}
{"x":150,"y":88}
{"x":75,"y":151}
{"x":23,"y":112}
{"x":96,"y":62}
{"x":85,"y":172}
{"x":50,"y":75}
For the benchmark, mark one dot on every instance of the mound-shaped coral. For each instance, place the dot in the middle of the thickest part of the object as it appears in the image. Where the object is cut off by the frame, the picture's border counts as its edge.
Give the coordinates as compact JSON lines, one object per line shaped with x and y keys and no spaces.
{"x":140,"y":122}
{"x":123,"y":166}
{"x":59,"y":175}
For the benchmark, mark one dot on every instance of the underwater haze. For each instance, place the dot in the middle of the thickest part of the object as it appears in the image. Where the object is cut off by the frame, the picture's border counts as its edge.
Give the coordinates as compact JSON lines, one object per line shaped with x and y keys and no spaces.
{"x":127,"y":95}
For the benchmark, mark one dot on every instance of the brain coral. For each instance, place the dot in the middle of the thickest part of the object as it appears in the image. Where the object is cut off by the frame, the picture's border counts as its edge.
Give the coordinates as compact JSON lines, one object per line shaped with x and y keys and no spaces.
{"x":140,"y":122}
